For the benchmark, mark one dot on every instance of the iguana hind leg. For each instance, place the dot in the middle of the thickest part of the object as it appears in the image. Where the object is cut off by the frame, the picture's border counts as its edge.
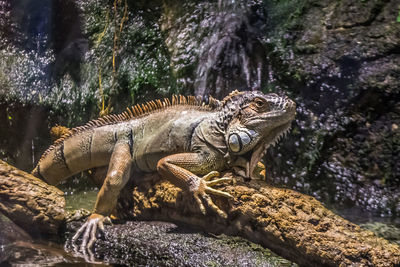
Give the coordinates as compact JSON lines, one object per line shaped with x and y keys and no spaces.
{"x":179,"y":168}
{"x":117,"y":176}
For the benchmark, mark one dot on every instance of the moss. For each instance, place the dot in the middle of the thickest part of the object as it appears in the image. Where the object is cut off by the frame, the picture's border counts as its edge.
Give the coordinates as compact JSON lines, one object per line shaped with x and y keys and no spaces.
{"x":141,"y":59}
{"x":398,"y":17}
{"x":387,"y":231}
{"x":285,"y":14}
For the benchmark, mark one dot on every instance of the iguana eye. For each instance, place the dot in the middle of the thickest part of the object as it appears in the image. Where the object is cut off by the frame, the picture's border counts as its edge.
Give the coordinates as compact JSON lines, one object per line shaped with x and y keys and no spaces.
{"x":260,"y":104}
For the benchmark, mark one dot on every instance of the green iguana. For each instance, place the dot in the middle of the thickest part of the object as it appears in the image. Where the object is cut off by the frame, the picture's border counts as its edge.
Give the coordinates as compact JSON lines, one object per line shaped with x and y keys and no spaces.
{"x":182,"y":139}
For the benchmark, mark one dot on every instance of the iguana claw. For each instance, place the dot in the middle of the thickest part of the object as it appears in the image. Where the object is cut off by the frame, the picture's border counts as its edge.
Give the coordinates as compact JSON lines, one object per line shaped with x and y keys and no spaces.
{"x":204,"y":189}
{"x":88,"y":231}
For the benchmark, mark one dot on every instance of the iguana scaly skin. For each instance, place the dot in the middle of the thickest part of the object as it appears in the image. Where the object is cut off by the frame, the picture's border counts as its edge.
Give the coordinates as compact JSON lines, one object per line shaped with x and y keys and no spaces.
{"x":181,"y":139}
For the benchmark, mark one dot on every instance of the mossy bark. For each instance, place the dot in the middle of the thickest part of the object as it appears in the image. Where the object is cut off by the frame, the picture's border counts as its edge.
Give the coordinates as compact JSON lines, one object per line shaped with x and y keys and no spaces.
{"x":296,"y":226}
{"x":29,"y":202}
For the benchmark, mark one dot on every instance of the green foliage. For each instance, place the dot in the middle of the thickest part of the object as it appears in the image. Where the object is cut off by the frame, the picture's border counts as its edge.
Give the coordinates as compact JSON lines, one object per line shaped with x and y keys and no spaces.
{"x":398,"y":17}
{"x":313,"y":154}
{"x":285,"y":14}
{"x":141,"y":58}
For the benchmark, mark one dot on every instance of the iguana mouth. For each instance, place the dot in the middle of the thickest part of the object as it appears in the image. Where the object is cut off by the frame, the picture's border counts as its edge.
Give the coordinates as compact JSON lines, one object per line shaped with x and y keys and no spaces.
{"x":261,"y":149}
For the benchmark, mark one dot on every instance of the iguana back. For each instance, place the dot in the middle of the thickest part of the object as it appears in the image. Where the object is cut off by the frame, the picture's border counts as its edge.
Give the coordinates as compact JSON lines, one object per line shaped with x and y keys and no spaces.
{"x":153,"y":130}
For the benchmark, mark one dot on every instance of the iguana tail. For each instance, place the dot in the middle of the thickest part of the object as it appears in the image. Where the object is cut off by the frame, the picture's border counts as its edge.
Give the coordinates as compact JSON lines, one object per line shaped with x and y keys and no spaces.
{"x":73,"y":154}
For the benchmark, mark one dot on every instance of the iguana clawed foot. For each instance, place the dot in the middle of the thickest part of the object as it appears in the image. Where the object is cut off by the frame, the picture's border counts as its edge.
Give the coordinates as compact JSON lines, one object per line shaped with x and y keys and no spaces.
{"x":88,"y":231}
{"x":204,"y":188}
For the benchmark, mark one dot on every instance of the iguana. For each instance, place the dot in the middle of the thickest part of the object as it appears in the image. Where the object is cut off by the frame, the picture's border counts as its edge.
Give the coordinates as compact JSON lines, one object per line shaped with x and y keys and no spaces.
{"x":182,"y":139}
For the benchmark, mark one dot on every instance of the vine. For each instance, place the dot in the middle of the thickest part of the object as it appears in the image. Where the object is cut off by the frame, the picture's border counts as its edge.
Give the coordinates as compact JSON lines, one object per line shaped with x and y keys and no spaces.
{"x":105,"y":109}
{"x":117,"y":35}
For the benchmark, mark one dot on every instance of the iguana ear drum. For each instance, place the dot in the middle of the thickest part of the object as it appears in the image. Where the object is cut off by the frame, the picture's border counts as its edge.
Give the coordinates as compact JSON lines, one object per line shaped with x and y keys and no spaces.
{"x":234,"y":143}
{"x":237,"y":141}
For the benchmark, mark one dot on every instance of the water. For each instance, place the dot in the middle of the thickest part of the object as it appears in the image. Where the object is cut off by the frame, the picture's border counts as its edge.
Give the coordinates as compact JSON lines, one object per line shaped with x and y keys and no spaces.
{"x":39,"y":253}
{"x":217,"y":47}
{"x":81,"y":199}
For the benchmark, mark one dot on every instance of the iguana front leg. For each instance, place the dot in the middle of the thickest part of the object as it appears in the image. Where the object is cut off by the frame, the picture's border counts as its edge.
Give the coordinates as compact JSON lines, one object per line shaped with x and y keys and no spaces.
{"x":117,"y":176}
{"x":179,"y":168}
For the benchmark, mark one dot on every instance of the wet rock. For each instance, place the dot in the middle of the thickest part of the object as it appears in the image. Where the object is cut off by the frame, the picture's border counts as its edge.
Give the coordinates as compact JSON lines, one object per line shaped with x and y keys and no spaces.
{"x":167,"y":244}
{"x":340,"y":61}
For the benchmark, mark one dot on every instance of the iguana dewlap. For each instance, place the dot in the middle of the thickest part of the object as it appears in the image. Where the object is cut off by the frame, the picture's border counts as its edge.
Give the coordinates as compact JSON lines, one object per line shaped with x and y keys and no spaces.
{"x":182,"y":139}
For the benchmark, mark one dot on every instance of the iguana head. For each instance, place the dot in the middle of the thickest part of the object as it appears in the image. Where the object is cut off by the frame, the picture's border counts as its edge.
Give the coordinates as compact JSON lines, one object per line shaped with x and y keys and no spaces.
{"x":256,"y":121}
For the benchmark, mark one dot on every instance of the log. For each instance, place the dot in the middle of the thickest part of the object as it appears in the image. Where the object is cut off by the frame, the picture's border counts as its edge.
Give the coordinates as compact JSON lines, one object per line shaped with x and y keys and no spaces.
{"x":29,"y":202}
{"x":294,"y":225}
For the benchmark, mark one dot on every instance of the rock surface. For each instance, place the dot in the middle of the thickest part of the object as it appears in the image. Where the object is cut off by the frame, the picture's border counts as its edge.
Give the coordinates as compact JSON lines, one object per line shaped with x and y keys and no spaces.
{"x":154,"y":243}
{"x":340,"y":61}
